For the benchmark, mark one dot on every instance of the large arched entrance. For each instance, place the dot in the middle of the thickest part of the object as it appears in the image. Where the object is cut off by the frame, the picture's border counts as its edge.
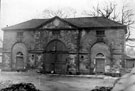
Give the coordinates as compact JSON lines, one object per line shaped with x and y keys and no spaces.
{"x":55,"y":57}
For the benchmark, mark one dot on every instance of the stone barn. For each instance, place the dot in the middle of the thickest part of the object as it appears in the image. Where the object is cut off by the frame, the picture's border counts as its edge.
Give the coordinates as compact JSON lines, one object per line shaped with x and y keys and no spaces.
{"x":83,"y":45}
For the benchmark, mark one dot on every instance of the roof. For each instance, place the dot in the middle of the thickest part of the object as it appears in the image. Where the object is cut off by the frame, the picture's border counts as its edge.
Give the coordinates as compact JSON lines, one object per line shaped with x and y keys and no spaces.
{"x":30,"y":24}
{"x":87,"y":22}
{"x":81,"y":22}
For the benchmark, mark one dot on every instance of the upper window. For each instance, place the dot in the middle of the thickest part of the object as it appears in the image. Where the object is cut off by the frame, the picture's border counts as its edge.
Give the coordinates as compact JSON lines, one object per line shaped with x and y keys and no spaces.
{"x":19,"y":34}
{"x":37,"y":34}
{"x":100,"y":33}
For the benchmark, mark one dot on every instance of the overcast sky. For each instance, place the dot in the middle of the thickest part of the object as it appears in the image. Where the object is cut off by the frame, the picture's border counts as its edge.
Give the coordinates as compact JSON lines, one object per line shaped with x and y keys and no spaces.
{"x":16,"y":11}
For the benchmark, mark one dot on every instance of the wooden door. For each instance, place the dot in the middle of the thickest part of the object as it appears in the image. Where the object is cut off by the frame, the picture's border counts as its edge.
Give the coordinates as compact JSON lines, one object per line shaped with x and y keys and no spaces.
{"x":49,"y":62}
{"x":19,"y":63}
{"x":55,"y":57}
{"x":100,"y":65}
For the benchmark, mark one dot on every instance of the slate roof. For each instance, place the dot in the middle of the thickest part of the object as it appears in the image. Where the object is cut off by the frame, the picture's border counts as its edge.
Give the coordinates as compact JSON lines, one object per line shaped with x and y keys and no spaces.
{"x":87,"y":22}
{"x":81,"y":22}
{"x":30,"y":24}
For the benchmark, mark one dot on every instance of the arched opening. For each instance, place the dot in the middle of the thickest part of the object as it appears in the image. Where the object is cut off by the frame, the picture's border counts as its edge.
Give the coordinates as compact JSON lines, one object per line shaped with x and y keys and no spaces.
{"x":55,"y":57}
{"x":19,"y":61}
{"x":100,"y":57}
{"x":19,"y":56}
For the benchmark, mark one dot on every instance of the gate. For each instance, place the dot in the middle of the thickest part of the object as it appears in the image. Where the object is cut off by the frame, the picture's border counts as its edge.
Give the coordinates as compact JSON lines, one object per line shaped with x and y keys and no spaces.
{"x":55,"y":57}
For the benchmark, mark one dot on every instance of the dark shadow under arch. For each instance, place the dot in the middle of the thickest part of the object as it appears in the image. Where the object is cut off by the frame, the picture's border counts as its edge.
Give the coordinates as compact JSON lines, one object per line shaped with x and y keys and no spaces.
{"x":55,"y":56}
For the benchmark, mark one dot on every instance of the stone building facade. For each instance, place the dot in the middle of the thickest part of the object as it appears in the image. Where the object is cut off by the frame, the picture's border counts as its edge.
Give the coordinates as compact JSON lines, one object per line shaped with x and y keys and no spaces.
{"x":83,"y":45}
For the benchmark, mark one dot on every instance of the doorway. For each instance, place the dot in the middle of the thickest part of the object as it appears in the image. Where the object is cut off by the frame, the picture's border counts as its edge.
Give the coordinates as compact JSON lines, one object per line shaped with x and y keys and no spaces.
{"x":19,"y":61}
{"x":55,"y":57}
{"x":100,"y":63}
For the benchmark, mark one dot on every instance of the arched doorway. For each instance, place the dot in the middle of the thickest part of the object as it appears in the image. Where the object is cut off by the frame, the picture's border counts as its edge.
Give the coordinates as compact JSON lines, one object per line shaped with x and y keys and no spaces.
{"x":100,"y":57}
{"x":55,"y":57}
{"x":100,"y":63}
{"x":19,"y":61}
{"x":19,"y":56}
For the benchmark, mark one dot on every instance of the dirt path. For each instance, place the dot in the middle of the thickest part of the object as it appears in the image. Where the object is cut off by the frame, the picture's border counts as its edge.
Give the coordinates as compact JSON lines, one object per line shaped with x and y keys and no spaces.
{"x":52,"y":83}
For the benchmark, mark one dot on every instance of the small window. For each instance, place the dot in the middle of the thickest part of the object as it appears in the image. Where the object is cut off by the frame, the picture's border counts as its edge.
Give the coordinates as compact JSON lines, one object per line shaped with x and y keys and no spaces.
{"x":32,"y":56}
{"x":19,"y":54}
{"x":82,"y":57}
{"x":100,"y":33}
{"x":20,"y":34}
{"x":55,"y":32}
{"x":130,"y":63}
{"x":37,"y":35}
{"x":100,"y":55}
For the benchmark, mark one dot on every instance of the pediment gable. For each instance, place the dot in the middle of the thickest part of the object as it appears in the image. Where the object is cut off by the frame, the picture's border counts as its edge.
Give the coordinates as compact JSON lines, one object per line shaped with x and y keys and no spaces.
{"x":57,"y":23}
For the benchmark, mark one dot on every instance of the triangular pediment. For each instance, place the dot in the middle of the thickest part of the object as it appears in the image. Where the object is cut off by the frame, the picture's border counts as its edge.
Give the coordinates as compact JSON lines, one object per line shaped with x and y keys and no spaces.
{"x":57,"y":23}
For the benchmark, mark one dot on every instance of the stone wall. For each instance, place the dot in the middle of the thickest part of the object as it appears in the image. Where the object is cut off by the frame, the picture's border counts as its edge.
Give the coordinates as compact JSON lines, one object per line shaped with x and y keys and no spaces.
{"x":69,"y":38}
{"x":114,"y":40}
{"x":38,"y":39}
{"x":9,"y":40}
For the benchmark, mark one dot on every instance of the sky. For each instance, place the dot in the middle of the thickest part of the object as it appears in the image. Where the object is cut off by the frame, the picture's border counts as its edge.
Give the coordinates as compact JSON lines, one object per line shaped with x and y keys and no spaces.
{"x":16,"y":11}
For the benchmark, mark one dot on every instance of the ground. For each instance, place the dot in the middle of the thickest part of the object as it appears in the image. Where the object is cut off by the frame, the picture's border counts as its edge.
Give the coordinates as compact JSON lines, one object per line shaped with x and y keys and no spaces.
{"x":46,"y":82}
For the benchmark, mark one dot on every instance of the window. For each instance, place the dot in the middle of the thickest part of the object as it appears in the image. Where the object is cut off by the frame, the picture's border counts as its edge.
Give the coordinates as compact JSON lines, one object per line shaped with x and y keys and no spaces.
{"x":20,"y":54}
{"x":100,"y":55}
{"x":130,"y":63}
{"x":100,"y":33}
{"x":19,"y":34}
{"x":37,"y":34}
{"x":82,"y":57}
{"x":56,"y":32}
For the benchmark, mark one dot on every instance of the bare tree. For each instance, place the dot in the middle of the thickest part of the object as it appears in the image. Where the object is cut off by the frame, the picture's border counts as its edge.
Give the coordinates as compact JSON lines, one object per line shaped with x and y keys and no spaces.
{"x":63,"y":13}
{"x":127,"y":19}
{"x":110,"y":11}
